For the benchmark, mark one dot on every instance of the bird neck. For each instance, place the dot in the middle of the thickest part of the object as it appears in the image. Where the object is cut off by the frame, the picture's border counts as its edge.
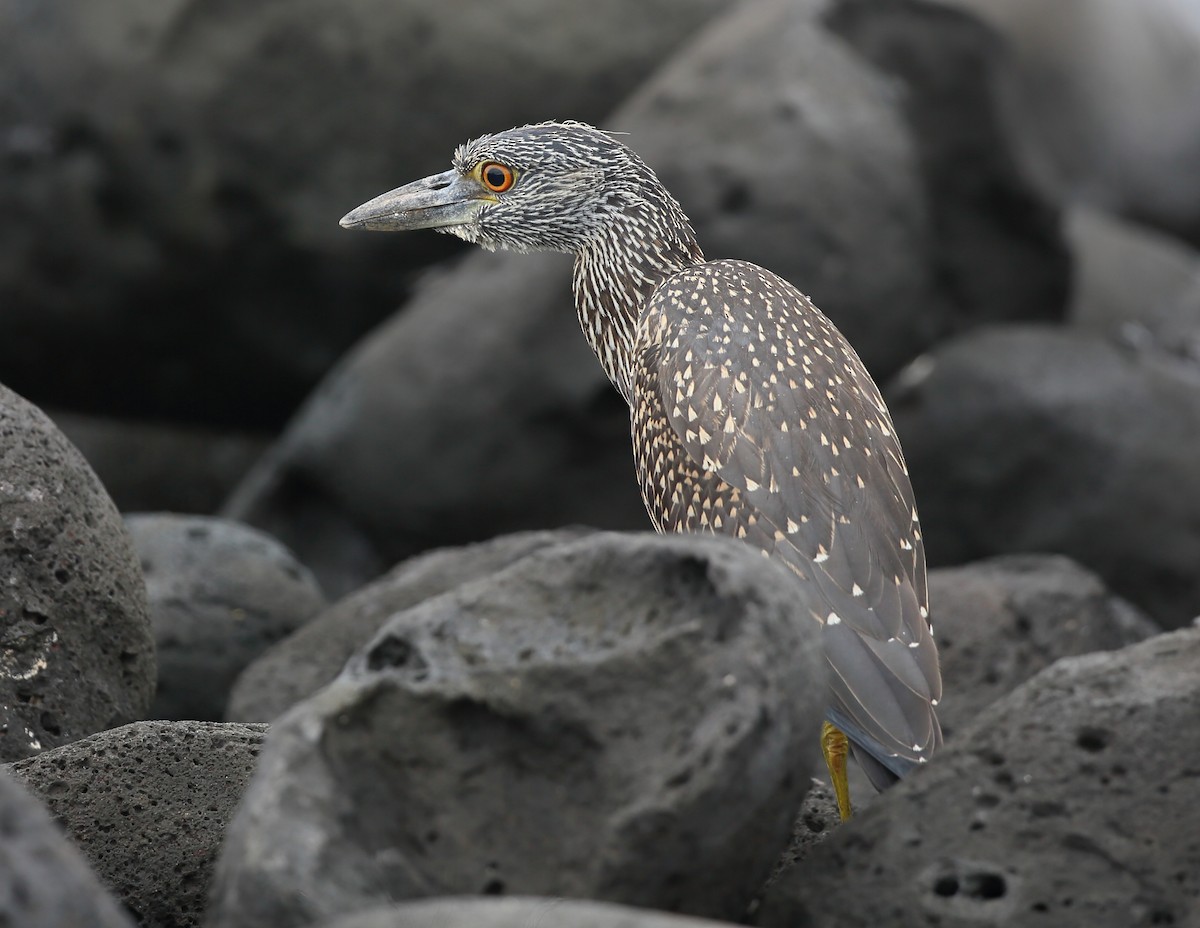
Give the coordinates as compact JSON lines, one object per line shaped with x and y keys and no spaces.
{"x":615,"y":275}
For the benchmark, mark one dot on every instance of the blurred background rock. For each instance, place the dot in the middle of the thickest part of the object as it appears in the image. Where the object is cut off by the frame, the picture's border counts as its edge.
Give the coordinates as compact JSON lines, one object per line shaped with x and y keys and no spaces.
{"x":175,"y":290}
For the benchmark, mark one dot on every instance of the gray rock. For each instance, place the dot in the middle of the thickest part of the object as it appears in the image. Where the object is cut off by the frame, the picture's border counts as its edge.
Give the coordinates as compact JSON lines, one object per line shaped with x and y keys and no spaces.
{"x":220,"y":594}
{"x":1098,"y":99}
{"x":399,"y":451}
{"x":148,"y":804}
{"x":1136,"y":286}
{"x":1036,"y":439}
{"x":44,"y":881}
{"x":623,"y":718}
{"x":155,"y":467}
{"x":994,"y":251}
{"x":76,"y":648}
{"x":1000,"y":621}
{"x":523,"y":912}
{"x":817,"y":820}
{"x":1071,"y":802}
{"x":174,"y":172}
{"x":878,"y":210}
{"x":304,"y":662}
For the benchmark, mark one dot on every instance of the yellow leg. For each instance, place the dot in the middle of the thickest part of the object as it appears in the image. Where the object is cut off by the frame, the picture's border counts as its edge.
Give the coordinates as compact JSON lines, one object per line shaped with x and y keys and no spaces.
{"x":835,"y":747}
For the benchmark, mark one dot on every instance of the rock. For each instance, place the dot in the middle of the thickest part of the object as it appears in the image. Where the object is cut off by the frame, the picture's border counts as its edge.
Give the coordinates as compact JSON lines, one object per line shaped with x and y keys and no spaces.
{"x":817,"y":820}
{"x":44,"y":881}
{"x":1036,"y":439}
{"x":623,"y":718}
{"x":1098,"y":99}
{"x":148,"y":804}
{"x":1069,"y":803}
{"x":151,"y":467}
{"x":304,"y":662}
{"x":994,"y":250}
{"x":526,"y":912}
{"x":220,"y":594}
{"x":1000,"y":621}
{"x":377,"y":456}
{"x":76,"y":648}
{"x":174,"y":172}
{"x":1134,"y":285}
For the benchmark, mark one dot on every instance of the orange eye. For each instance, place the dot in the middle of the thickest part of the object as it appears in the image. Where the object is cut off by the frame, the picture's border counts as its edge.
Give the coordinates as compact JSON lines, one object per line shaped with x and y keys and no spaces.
{"x":497,"y":177}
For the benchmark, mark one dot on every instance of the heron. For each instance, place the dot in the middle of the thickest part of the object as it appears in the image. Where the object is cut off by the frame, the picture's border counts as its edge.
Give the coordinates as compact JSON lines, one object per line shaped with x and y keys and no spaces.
{"x":751,"y":415}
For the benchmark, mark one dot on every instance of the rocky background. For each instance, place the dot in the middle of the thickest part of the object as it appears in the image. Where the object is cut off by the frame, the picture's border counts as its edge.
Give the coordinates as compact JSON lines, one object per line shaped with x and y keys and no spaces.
{"x":326,"y":594}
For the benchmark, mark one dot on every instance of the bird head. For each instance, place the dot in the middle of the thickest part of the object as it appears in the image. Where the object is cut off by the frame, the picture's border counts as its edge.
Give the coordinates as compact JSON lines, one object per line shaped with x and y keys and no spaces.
{"x":552,"y":186}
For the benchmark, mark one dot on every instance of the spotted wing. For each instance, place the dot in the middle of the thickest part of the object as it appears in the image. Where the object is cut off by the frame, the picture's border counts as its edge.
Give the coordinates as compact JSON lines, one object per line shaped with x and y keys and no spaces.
{"x":753,"y":417}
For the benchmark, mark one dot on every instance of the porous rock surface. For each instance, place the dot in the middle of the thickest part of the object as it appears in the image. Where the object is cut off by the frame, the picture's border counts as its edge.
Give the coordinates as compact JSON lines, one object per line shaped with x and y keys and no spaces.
{"x":1067,"y":803}
{"x":220,"y":593}
{"x":1026,"y":438}
{"x":999,"y":621}
{"x":76,"y":648}
{"x":310,"y":658}
{"x":624,"y":718}
{"x":44,"y":881}
{"x":517,"y":912}
{"x":147,"y":804}
{"x":497,"y":417}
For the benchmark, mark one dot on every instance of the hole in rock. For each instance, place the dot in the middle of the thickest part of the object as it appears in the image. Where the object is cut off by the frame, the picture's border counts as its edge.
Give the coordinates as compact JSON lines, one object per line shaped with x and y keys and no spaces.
{"x":983,"y":885}
{"x":1093,"y":739}
{"x":396,"y":653}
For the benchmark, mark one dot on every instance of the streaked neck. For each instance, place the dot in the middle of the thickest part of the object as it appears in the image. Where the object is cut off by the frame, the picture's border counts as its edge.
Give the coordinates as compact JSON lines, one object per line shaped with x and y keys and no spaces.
{"x":616,"y":275}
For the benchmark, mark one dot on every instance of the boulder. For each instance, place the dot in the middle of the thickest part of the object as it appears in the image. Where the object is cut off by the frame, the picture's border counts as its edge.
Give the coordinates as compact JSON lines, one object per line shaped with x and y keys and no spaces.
{"x":174,"y":173}
{"x":76,"y":647}
{"x":220,"y":593}
{"x":1069,"y":802}
{"x":44,"y":881}
{"x":1041,"y":439}
{"x":157,"y":467}
{"x":523,"y":912}
{"x":1000,"y":621}
{"x":1098,"y":98}
{"x":1134,"y":285}
{"x":315,"y":654}
{"x":817,"y":820}
{"x":476,"y":412}
{"x":147,"y":804}
{"x":623,"y":718}
{"x":479,"y":410}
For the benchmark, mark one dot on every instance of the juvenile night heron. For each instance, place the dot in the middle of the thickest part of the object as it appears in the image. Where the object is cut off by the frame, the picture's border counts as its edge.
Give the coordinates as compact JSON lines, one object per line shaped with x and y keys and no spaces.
{"x":751,"y":414}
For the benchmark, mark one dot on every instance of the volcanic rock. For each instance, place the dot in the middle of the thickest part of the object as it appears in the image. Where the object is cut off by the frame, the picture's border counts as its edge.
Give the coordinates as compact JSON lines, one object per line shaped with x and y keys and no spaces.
{"x":220,"y":593}
{"x":999,"y":621}
{"x":304,"y":662}
{"x":44,"y":881}
{"x":1067,"y":803}
{"x":623,"y":718}
{"x":173,"y":173}
{"x":76,"y":648}
{"x":827,"y":156}
{"x":521,"y":912}
{"x":147,"y":804}
{"x":1039,"y":439}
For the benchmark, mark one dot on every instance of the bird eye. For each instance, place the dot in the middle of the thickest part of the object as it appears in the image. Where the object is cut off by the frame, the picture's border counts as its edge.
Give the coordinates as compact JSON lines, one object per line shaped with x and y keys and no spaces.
{"x":497,"y":177}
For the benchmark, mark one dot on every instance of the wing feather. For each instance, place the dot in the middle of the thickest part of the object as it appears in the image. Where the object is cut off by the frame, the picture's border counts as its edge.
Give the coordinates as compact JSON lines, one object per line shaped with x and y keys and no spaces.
{"x":755,"y":418}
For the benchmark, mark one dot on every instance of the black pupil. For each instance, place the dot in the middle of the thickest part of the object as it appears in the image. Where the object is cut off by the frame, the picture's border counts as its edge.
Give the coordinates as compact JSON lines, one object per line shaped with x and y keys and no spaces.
{"x":495,"y":175}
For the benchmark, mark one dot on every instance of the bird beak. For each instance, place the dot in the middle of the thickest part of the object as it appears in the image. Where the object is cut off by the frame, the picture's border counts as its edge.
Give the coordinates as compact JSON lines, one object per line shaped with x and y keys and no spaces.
{"x":447,"y":199}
